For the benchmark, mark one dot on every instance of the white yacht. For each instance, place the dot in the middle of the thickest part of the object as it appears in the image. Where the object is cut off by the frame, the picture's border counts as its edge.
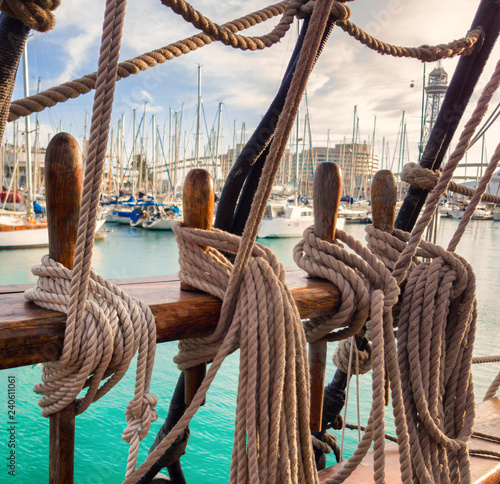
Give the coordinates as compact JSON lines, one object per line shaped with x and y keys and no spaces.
{"x":283,"y":220}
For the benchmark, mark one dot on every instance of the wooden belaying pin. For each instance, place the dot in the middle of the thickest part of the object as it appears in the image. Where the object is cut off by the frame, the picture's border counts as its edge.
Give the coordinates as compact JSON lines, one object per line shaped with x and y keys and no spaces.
{"x":327,"y":192}
{"x":384,"y":196}
{"x":63,"y":193}
{"x":197,"y":210}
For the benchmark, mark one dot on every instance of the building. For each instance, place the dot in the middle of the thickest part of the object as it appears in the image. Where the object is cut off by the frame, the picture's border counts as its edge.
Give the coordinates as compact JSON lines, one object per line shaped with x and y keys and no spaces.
{"x":356,"y":161}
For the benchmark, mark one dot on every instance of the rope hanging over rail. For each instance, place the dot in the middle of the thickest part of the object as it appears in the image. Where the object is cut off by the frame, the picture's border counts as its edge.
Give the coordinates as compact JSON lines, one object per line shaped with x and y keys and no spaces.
{"x":348,"y":268}
{"x":294,"y":438}
{"x":35,"y":14}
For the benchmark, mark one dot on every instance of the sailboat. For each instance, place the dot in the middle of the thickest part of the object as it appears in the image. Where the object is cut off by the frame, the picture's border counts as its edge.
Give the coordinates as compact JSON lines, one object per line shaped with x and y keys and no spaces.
{"x":24,"y":230}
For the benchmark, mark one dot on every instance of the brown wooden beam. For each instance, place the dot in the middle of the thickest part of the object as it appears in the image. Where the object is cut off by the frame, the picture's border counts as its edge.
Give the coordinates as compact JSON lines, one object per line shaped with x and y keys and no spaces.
{"x":198,"y":202}
{"x":30,"y":334}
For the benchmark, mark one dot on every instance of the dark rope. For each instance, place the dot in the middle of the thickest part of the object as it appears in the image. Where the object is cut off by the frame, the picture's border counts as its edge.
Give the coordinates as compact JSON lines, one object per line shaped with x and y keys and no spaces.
{"x":171,"y":458}
{"x":13,"y":37}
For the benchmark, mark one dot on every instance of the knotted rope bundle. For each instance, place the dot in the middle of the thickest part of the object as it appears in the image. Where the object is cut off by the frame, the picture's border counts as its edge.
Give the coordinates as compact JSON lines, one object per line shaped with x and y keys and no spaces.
{"x":331,"y":261}
{"x":361,"y":268}
{"x":435,"y":342}
{"x":272,"y":439}
{"x":342,"y":354}
{"x":35,"y":14}
{"x":115,"y":327}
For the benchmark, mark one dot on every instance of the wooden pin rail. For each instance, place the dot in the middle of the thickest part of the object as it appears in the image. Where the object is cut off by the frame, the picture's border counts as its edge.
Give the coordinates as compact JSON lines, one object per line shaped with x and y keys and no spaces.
{"x":30,"y":334}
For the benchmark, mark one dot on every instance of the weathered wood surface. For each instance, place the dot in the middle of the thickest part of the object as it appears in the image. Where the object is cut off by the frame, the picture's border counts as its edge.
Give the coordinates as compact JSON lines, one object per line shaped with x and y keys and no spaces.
{"x":327,"y":192}
{"x":30,"y":334}
{"x":62,"y":445}
{"x":484,"y":470}
{"x":198,"y":201}
{"x":63,"y":181}
{"x":384,"y":198}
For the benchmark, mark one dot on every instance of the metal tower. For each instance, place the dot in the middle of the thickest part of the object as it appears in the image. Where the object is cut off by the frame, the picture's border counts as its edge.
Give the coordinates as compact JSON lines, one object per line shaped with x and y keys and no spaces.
{"x":435,"y":91}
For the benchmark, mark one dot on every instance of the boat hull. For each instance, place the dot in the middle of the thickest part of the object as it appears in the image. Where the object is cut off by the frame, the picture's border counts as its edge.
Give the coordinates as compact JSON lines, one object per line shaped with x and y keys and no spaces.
{"x":283,"y":227}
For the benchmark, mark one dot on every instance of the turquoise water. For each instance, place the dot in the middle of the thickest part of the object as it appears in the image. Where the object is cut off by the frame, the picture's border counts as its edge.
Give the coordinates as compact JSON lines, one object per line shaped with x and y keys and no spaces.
{"x":101,"y":454}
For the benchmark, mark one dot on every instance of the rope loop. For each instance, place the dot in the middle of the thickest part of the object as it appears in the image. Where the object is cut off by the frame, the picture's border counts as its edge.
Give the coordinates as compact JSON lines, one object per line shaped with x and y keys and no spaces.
{"x":35,"y":14}
{"x":115,"y":326}
{"x":420,"y":177}
{"x":341,"y":358}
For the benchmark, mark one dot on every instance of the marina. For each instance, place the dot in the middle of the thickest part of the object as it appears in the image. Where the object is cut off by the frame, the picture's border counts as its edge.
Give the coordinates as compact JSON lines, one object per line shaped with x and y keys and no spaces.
{"x":156,"y":254}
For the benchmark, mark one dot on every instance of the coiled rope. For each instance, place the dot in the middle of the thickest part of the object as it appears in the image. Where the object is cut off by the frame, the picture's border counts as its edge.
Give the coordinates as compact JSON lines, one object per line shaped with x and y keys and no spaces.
{"x":35,"y":14}
{"x":259,"y":463}
{"x":382,"y":293}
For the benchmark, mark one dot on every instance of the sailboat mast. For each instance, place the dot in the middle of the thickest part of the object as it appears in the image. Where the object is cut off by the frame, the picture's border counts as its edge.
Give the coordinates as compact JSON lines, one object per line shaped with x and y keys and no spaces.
{"x":198,"y":121}
{"x":297,"y":122}
{"x":29,"y":175}
{"x":217,"y":144}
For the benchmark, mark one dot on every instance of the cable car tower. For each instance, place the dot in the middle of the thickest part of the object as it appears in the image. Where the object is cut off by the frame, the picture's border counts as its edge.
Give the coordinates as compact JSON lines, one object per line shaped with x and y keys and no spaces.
{"x":434,"y":92}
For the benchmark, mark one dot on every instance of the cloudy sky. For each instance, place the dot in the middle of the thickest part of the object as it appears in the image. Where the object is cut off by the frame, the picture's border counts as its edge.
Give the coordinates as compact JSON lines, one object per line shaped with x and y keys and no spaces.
{"x":346,"y":75}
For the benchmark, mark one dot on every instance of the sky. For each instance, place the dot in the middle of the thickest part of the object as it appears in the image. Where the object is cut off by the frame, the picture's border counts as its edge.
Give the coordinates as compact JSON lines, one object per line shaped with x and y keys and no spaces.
{"x":346,"y":75}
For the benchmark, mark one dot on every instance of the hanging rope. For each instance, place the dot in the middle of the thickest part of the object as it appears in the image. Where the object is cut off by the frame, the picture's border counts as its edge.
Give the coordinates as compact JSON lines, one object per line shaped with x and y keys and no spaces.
{"x":424,"y":53}
{"x":226,"y":34}
{"x":255,"y":463}
{"x":323,"y":259}
{"x":35,"y":14}
{"x":73,"y":89}
{"x":104,"y":326}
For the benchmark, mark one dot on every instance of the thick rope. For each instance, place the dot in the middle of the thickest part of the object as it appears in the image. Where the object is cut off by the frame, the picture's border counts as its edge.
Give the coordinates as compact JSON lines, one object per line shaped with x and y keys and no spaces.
{"x":226,"y":33}
{"x":492,"y":390}
{"x":406,"y":257}
{"x":35,"y":14}
{"x":95,"y":345}
{"x":227,"y":327}
{"x":229,"y":38}
{"x":383,"y":295}
{"x":359,"y":266}
{"x":115,"y":326}
{"x":272,"y":440}
{"x":435,"y":340}
{"x":73,"y":89}
{"x":426,"y":179}
{"x":425,"y":53}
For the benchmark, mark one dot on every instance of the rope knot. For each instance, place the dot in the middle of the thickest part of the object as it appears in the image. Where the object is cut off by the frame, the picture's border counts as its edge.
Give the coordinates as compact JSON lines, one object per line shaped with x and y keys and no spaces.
{"x":140,"y":421}
{"x":420,"y":177}
{"x":99,"y":345}
{"x":341,"y":358}
{"x":35,"y":14}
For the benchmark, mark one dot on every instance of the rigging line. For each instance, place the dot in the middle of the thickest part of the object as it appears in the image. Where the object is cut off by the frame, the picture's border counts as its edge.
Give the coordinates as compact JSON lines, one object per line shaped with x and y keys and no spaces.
{"x":77,"y":87}
{"x":487,"y":125}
